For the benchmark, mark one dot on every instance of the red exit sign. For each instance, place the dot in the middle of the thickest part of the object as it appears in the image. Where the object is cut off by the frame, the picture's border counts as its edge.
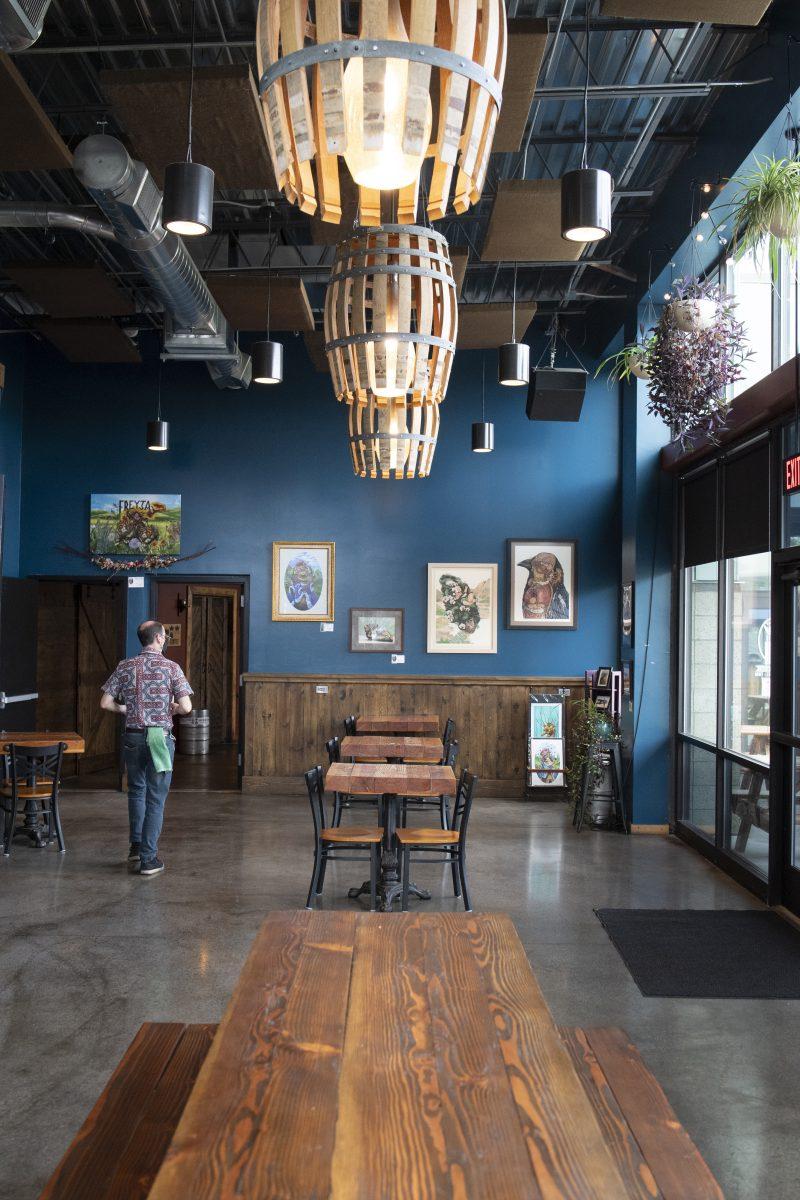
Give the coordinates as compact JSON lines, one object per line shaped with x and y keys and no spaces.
{"x":791,"y":474}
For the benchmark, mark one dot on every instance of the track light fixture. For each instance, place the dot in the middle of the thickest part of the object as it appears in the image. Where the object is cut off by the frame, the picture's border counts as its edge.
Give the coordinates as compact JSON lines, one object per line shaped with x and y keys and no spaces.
{"x":586,"y":193}
{"x":188,"y":205}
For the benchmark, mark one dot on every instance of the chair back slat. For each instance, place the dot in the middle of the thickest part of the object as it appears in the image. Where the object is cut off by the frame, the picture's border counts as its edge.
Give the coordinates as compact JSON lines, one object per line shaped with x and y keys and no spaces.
{"x":316,"y":796}
{"x":43,"y":763}
{"x":464,"y":796}
{"x":350,"y":726}
{"x":451,"y":755}
{"x":334,"y":748}
{"x":449,"y":732}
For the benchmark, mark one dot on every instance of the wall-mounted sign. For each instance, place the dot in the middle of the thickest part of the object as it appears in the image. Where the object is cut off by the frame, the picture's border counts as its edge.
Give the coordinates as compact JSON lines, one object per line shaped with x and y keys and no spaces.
{"x":791,"y":474}
{"x":140,"y":524}
{"x":173,"y":633}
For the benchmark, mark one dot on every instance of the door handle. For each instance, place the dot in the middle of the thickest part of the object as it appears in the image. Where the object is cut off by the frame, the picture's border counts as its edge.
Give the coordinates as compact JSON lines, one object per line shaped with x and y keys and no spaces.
{"x":4,"y":699}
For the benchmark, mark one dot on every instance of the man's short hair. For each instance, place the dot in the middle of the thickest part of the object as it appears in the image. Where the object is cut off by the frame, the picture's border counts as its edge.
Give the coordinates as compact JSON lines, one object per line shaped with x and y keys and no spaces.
{"x":148,"y":631}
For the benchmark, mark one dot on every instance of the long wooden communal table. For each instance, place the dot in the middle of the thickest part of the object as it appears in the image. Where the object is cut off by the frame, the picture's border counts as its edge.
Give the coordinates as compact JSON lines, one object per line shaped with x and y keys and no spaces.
{"x":382,"y":746}
{"x":392,"y":781}
{"x":74,"y":743}
{"x":400,"y":724}
{"x":427,"y":1066}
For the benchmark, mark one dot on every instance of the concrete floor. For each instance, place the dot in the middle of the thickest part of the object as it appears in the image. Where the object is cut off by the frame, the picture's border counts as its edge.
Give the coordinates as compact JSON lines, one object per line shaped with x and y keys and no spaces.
{"x":88,"y":952}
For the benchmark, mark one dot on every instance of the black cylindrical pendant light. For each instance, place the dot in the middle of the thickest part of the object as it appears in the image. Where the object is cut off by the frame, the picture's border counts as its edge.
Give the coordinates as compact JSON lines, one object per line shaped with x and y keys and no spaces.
{"x":158,"y":435}
{"x":586,"y":193}
{"x":482,"y":437}
{"x":268,"y":355}
{"x":188,"y":205}
{"x":513,"y":358}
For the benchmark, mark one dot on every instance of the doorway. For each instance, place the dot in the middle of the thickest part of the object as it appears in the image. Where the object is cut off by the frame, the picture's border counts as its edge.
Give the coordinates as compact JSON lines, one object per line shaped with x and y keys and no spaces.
{"x":81,"y":638}
{"x":786,"y":732}
{"x":204,"y":620}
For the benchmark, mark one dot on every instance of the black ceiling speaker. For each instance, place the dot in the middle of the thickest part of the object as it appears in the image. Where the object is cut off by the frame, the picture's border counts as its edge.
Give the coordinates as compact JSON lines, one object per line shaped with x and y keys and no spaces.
{"x":556,"y":394}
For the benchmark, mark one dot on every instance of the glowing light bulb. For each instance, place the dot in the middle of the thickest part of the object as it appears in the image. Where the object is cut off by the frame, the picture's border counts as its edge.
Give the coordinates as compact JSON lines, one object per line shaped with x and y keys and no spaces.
{"x":706,"y":187}
{"x":667,"y":295}
{"x":704,"y":215}
{"x":386,"y":167}
{"x":699,"y":237}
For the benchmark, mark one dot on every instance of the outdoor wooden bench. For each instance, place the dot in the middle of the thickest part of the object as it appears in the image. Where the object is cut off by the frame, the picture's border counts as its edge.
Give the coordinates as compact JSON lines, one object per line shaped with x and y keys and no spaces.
{"x":120,"y":1146}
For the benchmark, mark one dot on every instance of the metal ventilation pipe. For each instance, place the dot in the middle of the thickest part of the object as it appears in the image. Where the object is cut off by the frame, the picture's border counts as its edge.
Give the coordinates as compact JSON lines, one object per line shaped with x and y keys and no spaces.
{"x":194,"y":326}
{"x":34,"y":215}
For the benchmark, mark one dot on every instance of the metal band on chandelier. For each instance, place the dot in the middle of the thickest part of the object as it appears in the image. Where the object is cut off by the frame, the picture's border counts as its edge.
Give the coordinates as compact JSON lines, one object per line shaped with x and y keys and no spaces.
{"x":367,"y":99}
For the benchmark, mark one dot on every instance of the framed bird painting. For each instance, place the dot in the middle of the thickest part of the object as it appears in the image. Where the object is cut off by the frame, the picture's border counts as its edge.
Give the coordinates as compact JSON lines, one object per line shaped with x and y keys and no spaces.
{"x":542,"y":584}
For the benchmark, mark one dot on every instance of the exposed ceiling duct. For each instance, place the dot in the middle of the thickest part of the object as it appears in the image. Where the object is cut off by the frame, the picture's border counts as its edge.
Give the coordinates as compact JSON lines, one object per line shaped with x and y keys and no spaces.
{"x":21,"y":22}
{"x":194,"y":327}
{"x":36,"y":215}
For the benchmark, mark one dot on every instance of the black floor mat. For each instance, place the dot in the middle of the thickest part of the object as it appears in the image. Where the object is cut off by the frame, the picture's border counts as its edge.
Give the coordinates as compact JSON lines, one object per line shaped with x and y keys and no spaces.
{"x":726,"y":954}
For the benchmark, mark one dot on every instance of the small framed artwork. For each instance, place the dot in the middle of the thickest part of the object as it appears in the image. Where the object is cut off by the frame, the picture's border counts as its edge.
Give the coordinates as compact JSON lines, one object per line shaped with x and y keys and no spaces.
{"x":547,"y":762}
{"x":602,"y":679}
{"x":602,"y":702}
{"x":462,"y":608}
{"x":302,"y":581}
{"x":376,"y":630}
{"x":547,"y":720}
{"x":627,"y":679}
{"x":542,"y":584}
{"x":626,"y":611}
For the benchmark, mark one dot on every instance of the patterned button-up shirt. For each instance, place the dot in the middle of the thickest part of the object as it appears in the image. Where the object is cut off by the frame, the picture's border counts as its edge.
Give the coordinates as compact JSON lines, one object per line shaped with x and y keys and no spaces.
{"x":147,"y":685}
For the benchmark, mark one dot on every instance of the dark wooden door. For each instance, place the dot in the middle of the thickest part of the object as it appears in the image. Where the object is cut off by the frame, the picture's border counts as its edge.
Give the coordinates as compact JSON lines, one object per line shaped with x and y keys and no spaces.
{"x":18,"y":653}
{"x":99,"y":646}
{"x":212,"y":654}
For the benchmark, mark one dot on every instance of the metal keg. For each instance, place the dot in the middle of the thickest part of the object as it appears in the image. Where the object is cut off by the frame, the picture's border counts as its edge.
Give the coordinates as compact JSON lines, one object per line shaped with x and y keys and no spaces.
{"x":194,"y":732}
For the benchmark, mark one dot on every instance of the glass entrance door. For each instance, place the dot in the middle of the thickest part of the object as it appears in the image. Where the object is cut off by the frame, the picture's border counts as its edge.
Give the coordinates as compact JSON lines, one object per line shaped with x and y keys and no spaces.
{"x":786,"y":735}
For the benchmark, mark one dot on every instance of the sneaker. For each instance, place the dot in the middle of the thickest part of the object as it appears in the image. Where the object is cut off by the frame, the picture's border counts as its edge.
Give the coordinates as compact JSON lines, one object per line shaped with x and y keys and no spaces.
{"x":135,"y":852}
{"x":154,"y":867}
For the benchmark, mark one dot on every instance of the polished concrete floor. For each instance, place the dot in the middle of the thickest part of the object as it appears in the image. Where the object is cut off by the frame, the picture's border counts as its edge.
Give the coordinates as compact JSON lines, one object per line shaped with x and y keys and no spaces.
{"x":88,"y":952}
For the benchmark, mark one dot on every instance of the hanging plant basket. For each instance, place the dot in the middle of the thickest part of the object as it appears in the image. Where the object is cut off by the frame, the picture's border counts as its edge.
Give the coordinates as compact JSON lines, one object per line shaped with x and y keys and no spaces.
{"x":767,"y":209}
{"x":694,"y":313}
{"x":631,"y":361}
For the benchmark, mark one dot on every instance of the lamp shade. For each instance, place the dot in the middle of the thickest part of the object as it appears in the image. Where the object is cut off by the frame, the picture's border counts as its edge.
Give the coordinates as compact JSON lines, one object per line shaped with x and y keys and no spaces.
{"x":158,"y":435}
{"x":513,"y":364}
{"x":267,"y":362}
{"x":188,"y":207}
{"x":586,"y":205}
{"x":482,"y":437}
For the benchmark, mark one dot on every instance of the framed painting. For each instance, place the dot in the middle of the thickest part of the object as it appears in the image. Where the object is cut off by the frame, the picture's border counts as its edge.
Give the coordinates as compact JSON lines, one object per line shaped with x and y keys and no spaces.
{"x":376,"y":630}
{"x":626,"y":610}
{"x":302,"y":581}
{"x":542,"y":584}
{"x":462,"y":608}
{"x":134,"y":524}
{"x":547,"y":762}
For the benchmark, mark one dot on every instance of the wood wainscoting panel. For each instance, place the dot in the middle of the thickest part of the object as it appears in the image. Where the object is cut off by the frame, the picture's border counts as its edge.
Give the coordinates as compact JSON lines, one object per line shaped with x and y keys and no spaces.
{"x":287,"y":721}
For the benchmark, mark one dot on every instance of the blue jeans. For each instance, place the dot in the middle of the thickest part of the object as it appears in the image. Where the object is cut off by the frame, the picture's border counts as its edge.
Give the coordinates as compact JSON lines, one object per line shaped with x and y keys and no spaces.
{"x":147,"y":792}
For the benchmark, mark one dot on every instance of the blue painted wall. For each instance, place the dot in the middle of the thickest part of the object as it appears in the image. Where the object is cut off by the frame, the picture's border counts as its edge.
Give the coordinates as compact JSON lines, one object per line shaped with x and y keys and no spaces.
{"x":273,"y":463}
{"x":13,"y":357}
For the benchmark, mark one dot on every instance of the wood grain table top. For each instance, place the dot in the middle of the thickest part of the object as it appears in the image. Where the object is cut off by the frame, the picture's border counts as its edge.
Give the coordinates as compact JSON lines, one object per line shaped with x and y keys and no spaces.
{"x":44,"y":737}
{"x":390,"y":779}
{"x":427,"y":1067}
{"x":368,"y":745}
{"x":420,"y":723}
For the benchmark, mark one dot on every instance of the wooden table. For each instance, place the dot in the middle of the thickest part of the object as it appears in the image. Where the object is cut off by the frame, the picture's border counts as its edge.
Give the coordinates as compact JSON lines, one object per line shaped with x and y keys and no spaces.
{"x":408,"y":724}
{"x":427,"y":1067}
{"x":42,"y":737}
{"x":391,"y":781}
{"x":396,"y":749}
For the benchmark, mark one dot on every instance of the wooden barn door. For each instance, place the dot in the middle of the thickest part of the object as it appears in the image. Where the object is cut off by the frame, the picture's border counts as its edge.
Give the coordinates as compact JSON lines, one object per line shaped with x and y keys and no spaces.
{"x":212,"y":644}
{"x":99,"y":647}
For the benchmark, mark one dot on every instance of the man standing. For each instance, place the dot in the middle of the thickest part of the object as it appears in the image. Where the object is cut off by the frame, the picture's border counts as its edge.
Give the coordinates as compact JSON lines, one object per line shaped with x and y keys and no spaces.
{"x":149,"y":689}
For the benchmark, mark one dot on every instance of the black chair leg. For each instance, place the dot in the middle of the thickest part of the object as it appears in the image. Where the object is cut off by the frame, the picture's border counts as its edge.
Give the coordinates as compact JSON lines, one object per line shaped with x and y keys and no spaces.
{"x":406,"y":877}
{"x":321,"y":879}
{"x":55,"y":819}
{"x":462,"y":870}
{"x":337,"y":810}
{"x":456,"y":879}
{"x":7,"y":827}
{"x":11,"y":824}
{"x":373,"y":877}
{"x":314,"y":876}
{"x":444,"y":812}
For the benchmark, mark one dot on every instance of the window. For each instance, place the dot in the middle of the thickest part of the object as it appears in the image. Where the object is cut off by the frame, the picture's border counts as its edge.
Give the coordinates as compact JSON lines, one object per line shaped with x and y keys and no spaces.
{"x":700,"y":789}
{"x":701,"y":603}
{"x":750,"y":282}
{"x":747,"y":656}
{"x":747,"y":814}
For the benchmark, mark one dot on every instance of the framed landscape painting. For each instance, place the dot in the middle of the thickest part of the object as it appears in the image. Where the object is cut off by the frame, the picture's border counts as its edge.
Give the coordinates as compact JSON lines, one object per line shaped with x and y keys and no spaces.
{"x":134,"y":524}
{"x":302,"y":581}
{"x":462,"y":608}
{"x":376,"y":630}
{"x":542,"y":584}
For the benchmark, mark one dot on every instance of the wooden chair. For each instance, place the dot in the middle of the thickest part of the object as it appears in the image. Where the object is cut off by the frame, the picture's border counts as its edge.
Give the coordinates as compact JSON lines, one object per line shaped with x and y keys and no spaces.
{"x":343,"y":800}
{"x":450,"y":843}
{"x":35,"y":778}
{"x":350,"y":726}
{"x":420,"y":803}
{"x":328,"y":838}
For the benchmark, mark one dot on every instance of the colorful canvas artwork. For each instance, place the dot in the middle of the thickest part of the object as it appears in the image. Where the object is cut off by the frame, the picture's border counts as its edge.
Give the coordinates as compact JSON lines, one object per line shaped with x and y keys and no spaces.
{"x":134,"y":524}
{"x":547,"y":762}
{"x":302,"y":581}
{"x":462,"y":608}
{"x":542,"y":580}
{"x":546,"y":720}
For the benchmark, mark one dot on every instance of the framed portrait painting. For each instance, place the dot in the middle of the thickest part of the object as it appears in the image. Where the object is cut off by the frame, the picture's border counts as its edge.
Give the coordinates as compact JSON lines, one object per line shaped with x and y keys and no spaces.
{"x":462,"y":608}
{"x":626,"y":611}
{"x":302,"y":581}
{"x":376,"y":630}
{"x":542,"y":584}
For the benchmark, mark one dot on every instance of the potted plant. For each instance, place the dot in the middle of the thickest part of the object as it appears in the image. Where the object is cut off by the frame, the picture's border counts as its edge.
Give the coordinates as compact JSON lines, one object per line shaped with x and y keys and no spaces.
{"x":588,"y":728}
{"x":695,"y":304}
{"x":691,"y":370}
{"x":767,"y":207}
{"x":630,"y":360}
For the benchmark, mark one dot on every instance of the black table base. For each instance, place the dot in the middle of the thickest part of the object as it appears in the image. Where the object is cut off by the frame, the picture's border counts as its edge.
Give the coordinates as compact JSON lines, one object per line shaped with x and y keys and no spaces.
{"x":390,"y":885}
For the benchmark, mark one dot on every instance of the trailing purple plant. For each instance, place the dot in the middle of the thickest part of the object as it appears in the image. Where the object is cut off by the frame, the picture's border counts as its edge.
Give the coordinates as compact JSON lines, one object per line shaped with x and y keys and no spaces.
{"x":698,"y":350}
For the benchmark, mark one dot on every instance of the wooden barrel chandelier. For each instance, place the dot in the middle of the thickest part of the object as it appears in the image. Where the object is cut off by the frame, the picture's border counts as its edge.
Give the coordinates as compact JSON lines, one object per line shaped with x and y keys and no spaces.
{"x":391,"y":319}
{"x":383,"y":97}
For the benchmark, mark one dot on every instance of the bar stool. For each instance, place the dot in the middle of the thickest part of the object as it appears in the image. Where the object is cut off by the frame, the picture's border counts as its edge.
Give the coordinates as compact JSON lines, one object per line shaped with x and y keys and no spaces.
{"x":35,"y":777}
{"x":611,"y":752}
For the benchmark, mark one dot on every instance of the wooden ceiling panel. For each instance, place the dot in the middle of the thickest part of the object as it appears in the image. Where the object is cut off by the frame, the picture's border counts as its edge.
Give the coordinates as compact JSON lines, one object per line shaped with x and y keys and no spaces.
{"x":715,"y":12}
{"x":525,"y":225}
{"x":229,"y":133}
{"x":459,"y":259}
{"x":242,"y":296}
{"x":315,"y":345}
{"x":29,"y":141}
{"x":487,"y":326}
{"x":70,"y":289}
{"x":100,"y":341}
{"x":527,"y":40}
